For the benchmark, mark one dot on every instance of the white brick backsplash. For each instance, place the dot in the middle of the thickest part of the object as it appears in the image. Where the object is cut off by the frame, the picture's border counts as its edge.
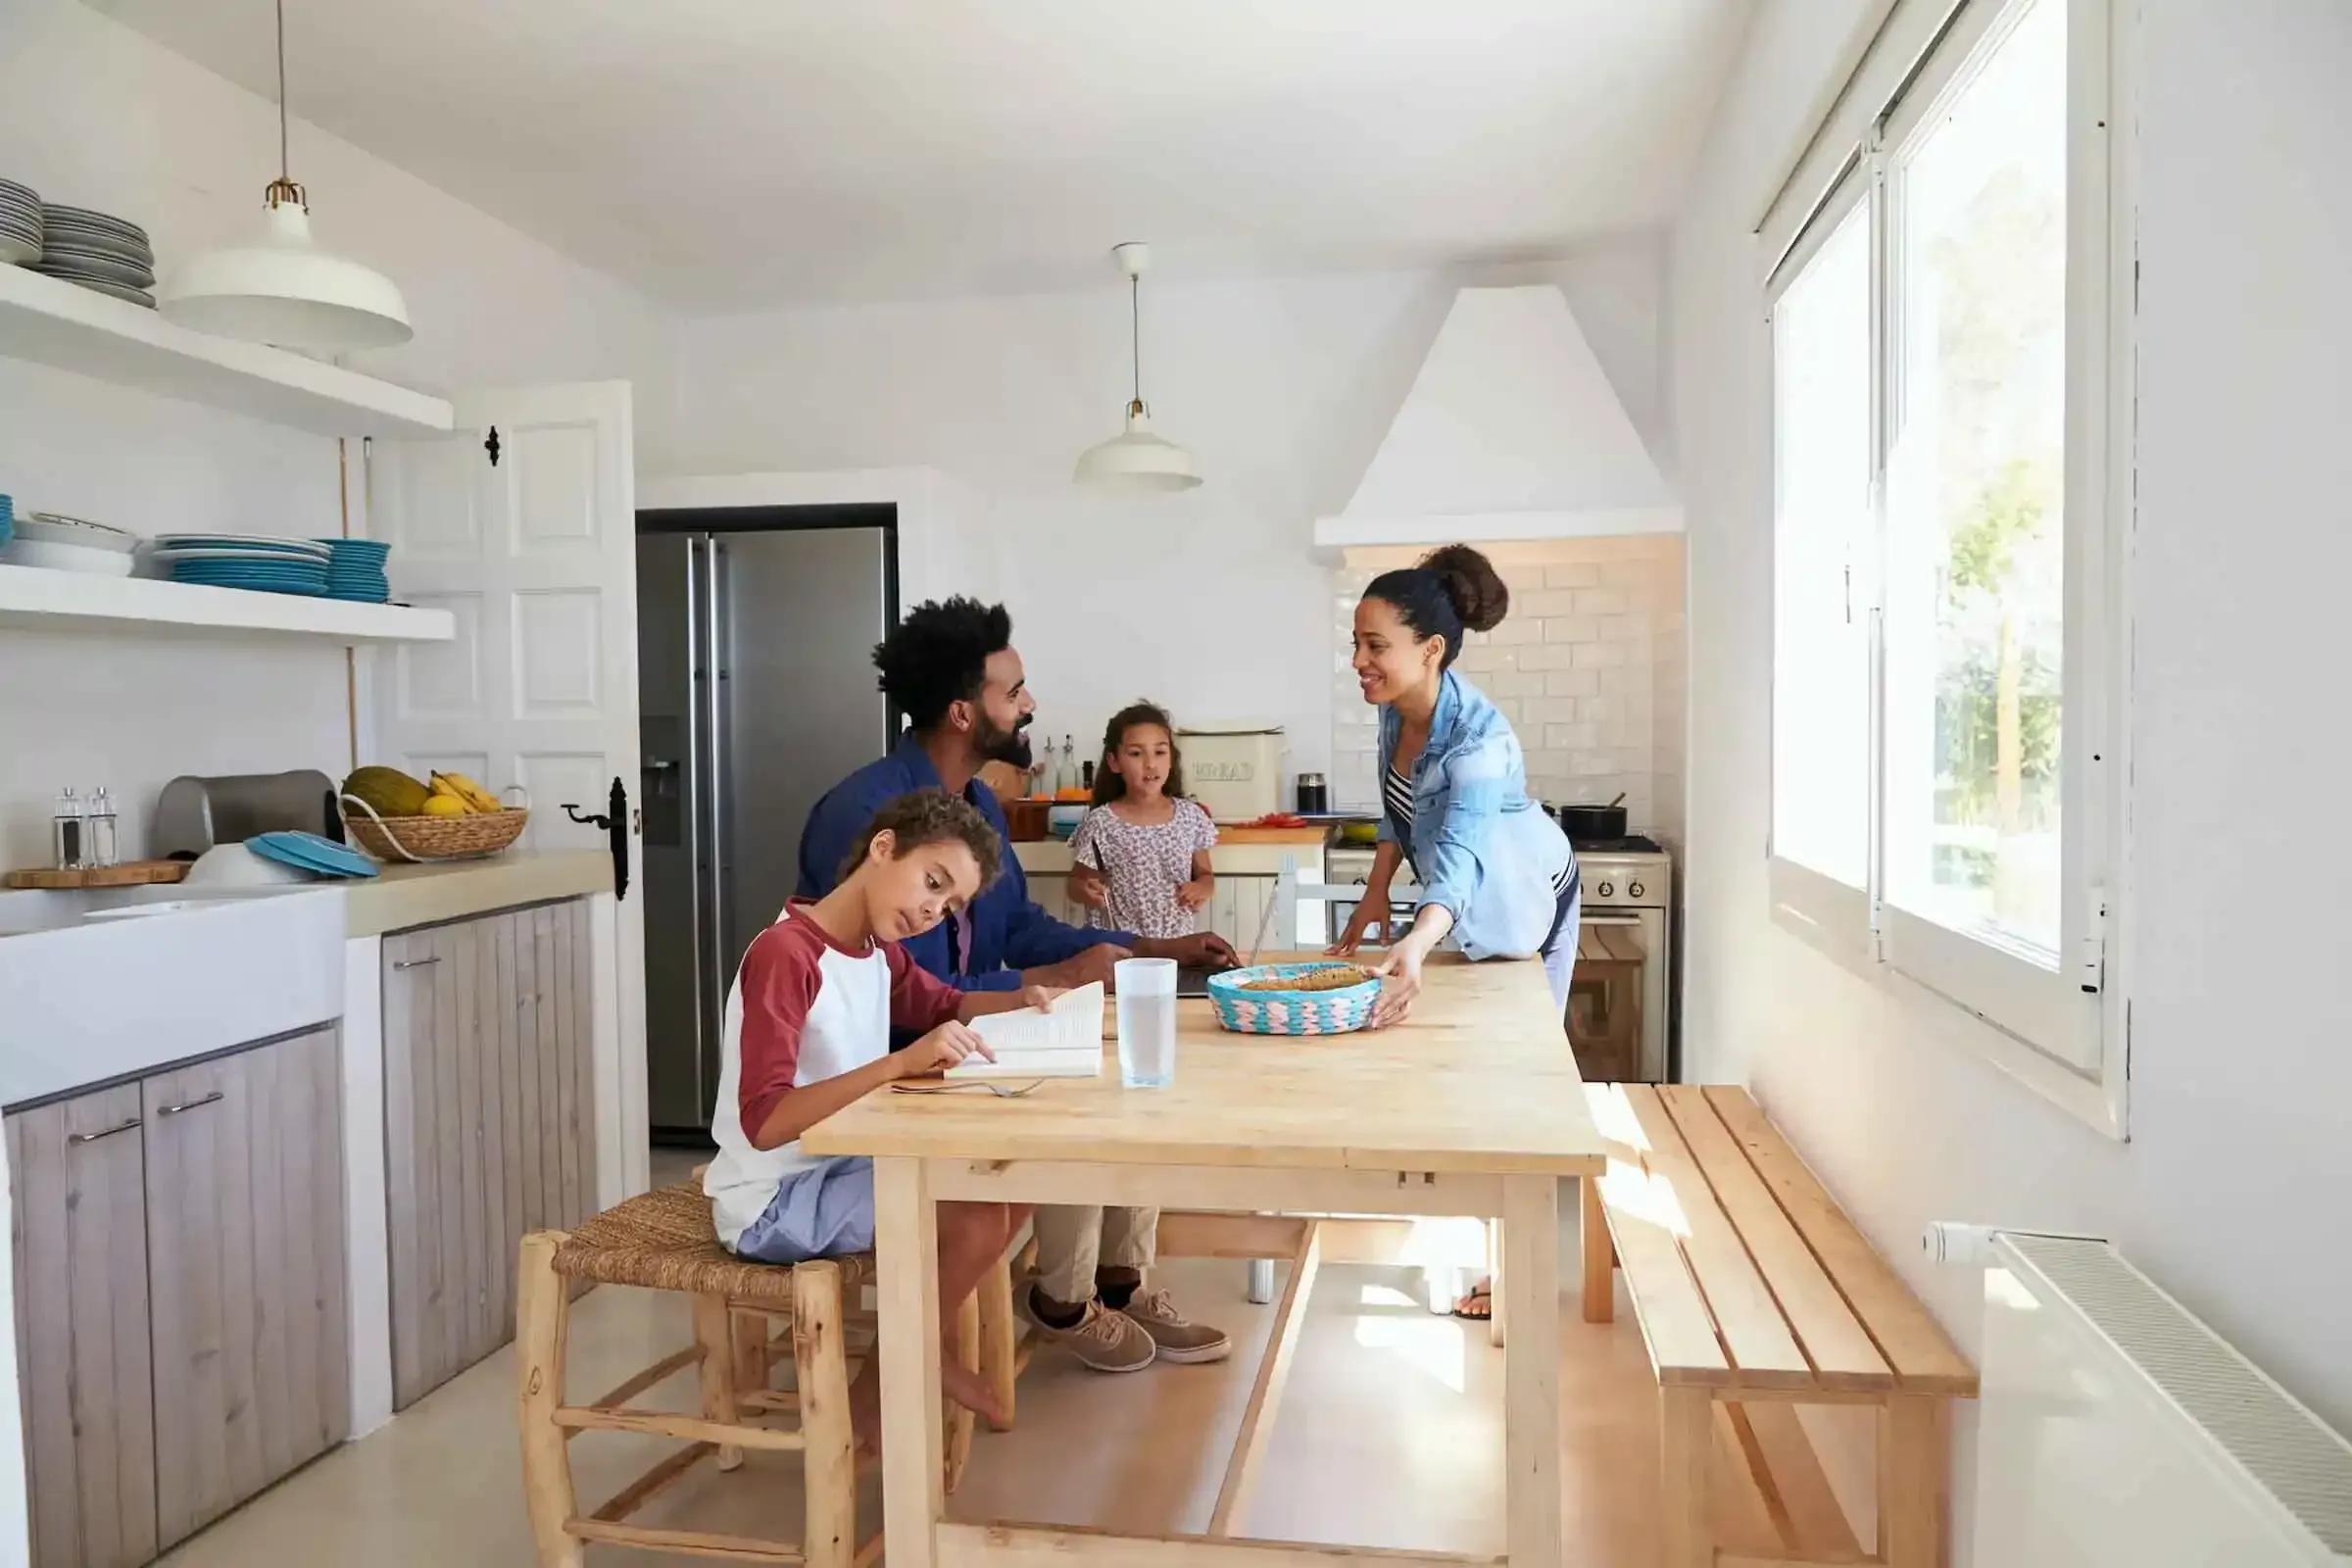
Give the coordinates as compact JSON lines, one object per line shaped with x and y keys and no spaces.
{"x":1571,"y":682}
{"x":1548,"y":601}
{"x":1588,"y":668}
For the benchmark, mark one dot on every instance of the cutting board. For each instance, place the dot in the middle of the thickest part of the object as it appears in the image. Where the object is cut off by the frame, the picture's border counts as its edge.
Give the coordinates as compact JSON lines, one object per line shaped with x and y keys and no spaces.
{"x":130,"y":873}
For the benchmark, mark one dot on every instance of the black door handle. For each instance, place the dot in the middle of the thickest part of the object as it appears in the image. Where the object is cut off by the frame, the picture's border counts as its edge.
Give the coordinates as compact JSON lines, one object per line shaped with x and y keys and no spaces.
{"x":615,"y":825}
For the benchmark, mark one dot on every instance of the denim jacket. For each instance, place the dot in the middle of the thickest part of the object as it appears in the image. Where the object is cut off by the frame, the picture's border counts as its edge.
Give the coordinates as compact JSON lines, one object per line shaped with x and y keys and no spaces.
{"x":1480,"y":847}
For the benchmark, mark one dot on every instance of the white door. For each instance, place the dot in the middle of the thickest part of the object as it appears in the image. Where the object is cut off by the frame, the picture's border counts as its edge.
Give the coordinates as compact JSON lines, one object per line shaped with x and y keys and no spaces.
{"x":521,"y":523}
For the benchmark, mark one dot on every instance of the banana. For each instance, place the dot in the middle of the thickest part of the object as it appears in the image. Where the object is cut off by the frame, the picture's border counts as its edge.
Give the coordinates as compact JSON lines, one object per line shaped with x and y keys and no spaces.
{"x":465,"y":791}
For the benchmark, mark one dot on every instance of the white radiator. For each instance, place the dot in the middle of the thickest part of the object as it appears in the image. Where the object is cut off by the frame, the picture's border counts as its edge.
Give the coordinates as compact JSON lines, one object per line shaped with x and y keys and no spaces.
{"x":2118,"y":1432}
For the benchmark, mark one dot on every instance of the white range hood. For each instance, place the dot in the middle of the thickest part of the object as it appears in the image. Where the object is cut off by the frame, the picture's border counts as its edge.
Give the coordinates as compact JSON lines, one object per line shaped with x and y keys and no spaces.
{"x":1511,"y":431}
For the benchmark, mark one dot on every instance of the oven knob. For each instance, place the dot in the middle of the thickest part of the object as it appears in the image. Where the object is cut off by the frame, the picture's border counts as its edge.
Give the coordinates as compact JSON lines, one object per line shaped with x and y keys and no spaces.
{"x":1632,"y":889}
{"x":1607,"y":891}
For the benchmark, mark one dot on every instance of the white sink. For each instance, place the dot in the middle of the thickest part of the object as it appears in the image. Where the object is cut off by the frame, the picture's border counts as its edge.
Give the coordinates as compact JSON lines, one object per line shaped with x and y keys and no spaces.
{"x":97,"y":985}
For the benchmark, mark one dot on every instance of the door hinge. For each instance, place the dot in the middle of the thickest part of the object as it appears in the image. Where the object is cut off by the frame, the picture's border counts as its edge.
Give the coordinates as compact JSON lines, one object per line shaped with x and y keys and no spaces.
{"x":2091,"y":955}
{"x":490,"y":445}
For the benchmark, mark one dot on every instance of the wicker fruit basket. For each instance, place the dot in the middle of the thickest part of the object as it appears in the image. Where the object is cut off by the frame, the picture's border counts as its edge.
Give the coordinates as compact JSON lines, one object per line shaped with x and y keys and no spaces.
{"x":419,"y":839}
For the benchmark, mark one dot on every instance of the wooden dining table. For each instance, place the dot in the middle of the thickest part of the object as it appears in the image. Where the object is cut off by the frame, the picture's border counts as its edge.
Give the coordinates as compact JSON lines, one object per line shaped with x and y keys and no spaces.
{"x":1470,"y":1107}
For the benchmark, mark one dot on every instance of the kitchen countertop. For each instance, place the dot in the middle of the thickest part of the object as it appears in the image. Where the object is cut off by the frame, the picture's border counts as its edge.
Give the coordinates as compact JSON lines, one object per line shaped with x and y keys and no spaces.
{"x":407,"y":895}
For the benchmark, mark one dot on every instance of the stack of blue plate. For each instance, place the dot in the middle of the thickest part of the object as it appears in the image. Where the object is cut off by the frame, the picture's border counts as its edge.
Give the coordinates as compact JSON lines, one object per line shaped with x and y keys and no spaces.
{"x":357,"y":571}
{"x":8,"y":519}
{"x":259,"y":561}
{"x":308,"y":852}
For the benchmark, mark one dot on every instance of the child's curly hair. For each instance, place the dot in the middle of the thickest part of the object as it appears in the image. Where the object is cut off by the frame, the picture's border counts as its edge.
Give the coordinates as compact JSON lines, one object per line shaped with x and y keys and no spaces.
{"x":930,"y":817}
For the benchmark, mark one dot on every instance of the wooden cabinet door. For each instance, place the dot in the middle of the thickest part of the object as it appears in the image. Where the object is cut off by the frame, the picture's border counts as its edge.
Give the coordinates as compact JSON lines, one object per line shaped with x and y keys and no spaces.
{"x":490,"y":1123}
{"x":245,"y":1243}
{"x":78,"y":1231}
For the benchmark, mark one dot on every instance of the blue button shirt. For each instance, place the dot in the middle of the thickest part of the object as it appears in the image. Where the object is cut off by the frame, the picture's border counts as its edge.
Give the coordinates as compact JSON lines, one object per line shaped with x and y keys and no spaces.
{"x":1479,"y":845}
{"x":1006,"y":931}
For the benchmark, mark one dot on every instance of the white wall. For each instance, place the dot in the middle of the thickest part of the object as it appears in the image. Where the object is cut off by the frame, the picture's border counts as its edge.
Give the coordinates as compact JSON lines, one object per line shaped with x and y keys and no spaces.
{"x":97,"y":116}
{"x":1208,"y":602}
{"x":2230,"y":1192}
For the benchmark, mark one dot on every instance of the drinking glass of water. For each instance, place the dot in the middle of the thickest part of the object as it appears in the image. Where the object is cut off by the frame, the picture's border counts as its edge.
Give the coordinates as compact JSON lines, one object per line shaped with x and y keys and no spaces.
{"x":1146,"y":995}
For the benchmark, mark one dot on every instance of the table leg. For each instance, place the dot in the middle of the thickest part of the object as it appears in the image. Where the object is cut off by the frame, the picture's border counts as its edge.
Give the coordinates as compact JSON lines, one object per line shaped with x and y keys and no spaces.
{"x":906,"y":1320}
{"x":1261,"y":1281}
{"x":1531,"y":1369}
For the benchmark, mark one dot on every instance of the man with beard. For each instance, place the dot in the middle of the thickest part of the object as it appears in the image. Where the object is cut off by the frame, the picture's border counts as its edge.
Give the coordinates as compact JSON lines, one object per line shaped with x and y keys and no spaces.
{"x":951,"y":670}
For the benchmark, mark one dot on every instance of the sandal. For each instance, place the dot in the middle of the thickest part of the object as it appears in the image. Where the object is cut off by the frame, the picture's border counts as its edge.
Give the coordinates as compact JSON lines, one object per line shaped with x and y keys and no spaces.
{"x":1478,"y":1306}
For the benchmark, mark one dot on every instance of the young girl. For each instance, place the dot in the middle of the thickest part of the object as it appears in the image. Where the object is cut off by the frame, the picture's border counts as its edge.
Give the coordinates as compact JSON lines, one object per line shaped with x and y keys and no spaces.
{"x":808,"y":1032}
{"x":1142,"y":853}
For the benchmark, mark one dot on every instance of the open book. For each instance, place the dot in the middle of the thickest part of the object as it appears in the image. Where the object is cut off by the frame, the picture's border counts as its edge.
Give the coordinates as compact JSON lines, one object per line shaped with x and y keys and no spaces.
{"x":1063,"y":1041}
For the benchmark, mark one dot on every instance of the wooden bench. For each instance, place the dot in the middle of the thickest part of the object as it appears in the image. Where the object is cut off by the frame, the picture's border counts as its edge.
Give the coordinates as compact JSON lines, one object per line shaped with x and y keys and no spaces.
{"x":1757,"y":1295}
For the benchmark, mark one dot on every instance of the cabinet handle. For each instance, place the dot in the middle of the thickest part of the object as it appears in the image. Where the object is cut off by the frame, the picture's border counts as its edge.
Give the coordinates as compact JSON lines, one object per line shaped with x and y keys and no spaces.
{"x":414,"y":963}
{"x":91,"y":1137}
{"x":173,"y":1110}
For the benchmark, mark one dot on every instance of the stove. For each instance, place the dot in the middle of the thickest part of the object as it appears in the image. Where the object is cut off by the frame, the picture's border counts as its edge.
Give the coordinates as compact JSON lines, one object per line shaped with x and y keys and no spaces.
{"x":1617,"y":1008}
{"x":1631,"y":844}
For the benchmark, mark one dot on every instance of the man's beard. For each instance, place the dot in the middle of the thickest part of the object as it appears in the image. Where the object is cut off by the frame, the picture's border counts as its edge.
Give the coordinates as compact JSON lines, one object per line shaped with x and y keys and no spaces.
{"x":1009,"y":746}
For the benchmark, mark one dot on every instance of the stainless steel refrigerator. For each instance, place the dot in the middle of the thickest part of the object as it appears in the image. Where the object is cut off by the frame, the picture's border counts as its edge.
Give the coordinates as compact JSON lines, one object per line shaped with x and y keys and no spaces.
{"x":757,"y":695}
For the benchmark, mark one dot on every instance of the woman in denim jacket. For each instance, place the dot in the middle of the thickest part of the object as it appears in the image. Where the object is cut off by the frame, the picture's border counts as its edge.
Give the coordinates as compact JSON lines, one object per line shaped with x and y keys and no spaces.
{"x":1495,"y":870}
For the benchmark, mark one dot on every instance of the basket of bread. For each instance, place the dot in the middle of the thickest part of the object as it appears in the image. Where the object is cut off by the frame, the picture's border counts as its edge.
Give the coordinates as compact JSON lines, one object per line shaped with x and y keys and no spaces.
{"x":1293,"y":999}
{"x":449,"y":818}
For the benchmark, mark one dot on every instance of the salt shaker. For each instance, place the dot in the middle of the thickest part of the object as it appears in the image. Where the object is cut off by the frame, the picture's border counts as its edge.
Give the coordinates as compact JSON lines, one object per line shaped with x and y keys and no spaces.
{"x":66,"y":832}
{"x":100,"y":845}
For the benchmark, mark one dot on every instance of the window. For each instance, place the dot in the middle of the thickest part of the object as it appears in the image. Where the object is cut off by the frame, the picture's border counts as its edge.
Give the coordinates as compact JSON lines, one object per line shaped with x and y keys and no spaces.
{"x":1941,"y":454}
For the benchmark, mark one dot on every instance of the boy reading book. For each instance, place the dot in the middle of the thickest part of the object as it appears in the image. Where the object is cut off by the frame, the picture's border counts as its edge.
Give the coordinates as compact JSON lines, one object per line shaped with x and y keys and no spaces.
{"x":808,"y":1032}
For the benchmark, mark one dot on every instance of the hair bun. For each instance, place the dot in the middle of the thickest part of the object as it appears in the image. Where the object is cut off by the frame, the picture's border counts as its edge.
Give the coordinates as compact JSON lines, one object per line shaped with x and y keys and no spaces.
{"x":1478,"y":592}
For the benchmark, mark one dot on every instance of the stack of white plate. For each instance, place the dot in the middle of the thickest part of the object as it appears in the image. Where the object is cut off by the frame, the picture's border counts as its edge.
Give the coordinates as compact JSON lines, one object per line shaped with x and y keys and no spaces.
{"x":97,"y":251}
{"x":20,"y":224}
{"x":262,"y":563}
{"x":70,"y":544}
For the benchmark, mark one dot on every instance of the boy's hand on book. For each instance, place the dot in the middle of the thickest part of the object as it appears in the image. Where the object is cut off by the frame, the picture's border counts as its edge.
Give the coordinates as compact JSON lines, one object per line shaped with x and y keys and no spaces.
{"x":1041,"y":996}
{"x":942,"y":1048}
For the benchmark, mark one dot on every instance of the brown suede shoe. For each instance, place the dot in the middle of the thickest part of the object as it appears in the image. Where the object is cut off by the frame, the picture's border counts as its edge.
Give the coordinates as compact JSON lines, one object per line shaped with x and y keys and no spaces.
{"x":1178,"y":1337}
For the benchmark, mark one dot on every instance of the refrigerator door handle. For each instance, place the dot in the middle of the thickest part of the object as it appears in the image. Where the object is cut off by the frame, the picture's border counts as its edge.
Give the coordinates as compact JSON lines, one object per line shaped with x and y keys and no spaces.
{"x":698,"y":782}
{"x":712,"y":758}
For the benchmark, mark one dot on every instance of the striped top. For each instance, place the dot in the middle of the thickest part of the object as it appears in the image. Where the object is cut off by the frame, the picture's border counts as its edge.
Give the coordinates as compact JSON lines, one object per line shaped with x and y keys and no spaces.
{"x":1397,"y":793}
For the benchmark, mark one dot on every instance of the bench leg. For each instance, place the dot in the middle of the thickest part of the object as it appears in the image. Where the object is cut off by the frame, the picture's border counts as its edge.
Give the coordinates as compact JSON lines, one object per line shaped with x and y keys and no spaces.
{"x":1914,"y":1466}
{"x":1600,"y":1291}
{"x":542,"y":1308}
{"x":998,"y":1351}
{"x":1685,"y":1446}
{"x":714,"y":1337}
{"x":821,"y":1372}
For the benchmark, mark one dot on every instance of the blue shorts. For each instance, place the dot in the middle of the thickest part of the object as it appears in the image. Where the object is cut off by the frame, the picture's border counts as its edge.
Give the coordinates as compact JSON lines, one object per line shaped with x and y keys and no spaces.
{"x":824,"y":1210}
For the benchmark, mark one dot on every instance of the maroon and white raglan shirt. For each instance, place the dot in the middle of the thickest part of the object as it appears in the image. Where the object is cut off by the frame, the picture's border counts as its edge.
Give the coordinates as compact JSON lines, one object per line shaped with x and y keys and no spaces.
{"x":804,"y":1008}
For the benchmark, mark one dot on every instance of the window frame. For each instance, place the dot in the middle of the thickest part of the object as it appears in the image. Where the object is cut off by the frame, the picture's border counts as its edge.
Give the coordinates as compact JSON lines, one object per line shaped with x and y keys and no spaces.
{"x":2065,"y":1033}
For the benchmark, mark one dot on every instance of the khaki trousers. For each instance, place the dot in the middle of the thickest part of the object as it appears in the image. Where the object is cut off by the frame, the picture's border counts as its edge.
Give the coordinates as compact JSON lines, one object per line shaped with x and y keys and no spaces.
{"x":1074,"y":1242}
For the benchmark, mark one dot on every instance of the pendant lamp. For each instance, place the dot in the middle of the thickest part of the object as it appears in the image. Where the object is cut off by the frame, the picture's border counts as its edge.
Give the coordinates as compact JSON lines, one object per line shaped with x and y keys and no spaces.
{"x":1137,"y":462}
{"x":282,"y":288}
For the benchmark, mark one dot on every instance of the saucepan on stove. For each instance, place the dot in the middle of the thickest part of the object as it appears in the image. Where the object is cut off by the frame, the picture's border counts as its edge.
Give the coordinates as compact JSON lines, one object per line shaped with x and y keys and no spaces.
{"x":1592,"y":821}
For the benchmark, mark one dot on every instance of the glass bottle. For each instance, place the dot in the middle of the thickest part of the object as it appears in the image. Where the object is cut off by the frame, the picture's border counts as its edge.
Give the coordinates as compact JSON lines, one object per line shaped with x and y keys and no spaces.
{"x":99,"y":839}
{"x":64,"y":832}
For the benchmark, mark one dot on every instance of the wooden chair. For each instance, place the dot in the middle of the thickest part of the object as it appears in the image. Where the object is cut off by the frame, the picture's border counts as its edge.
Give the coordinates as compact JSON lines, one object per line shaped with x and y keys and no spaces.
{"x":663,"y":1240}
{"x":1758,"y":1295}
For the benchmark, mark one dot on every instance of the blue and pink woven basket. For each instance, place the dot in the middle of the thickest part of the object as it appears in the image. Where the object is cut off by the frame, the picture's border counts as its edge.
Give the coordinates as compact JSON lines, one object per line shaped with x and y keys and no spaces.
{"x":1244,"y":1011}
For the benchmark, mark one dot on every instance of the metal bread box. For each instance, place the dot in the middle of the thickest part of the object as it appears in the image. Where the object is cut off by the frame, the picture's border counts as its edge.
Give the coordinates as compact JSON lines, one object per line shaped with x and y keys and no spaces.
{"x":194,"y":814}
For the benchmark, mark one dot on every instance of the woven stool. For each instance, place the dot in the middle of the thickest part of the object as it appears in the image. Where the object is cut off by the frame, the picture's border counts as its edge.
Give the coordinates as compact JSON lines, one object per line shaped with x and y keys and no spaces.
{"x":663,"y":1240}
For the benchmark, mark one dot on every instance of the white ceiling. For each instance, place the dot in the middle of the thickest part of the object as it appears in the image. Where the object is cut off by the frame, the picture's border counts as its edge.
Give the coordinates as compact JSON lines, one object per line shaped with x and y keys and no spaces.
{"x":728,"y":153}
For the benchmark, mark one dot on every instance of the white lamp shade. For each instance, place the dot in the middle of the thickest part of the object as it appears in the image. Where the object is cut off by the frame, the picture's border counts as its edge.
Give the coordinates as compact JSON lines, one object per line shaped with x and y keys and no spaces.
{"x":1138,"y":461}
{"x":283,"y":289}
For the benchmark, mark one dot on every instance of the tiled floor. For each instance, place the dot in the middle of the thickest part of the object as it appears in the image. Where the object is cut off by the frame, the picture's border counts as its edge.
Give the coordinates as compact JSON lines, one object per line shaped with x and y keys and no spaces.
{"x":1389,"y":1435}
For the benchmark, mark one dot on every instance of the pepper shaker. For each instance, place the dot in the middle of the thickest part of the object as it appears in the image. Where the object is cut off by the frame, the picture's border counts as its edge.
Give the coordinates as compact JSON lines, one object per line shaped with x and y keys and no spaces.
{"x":66,"y":832}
